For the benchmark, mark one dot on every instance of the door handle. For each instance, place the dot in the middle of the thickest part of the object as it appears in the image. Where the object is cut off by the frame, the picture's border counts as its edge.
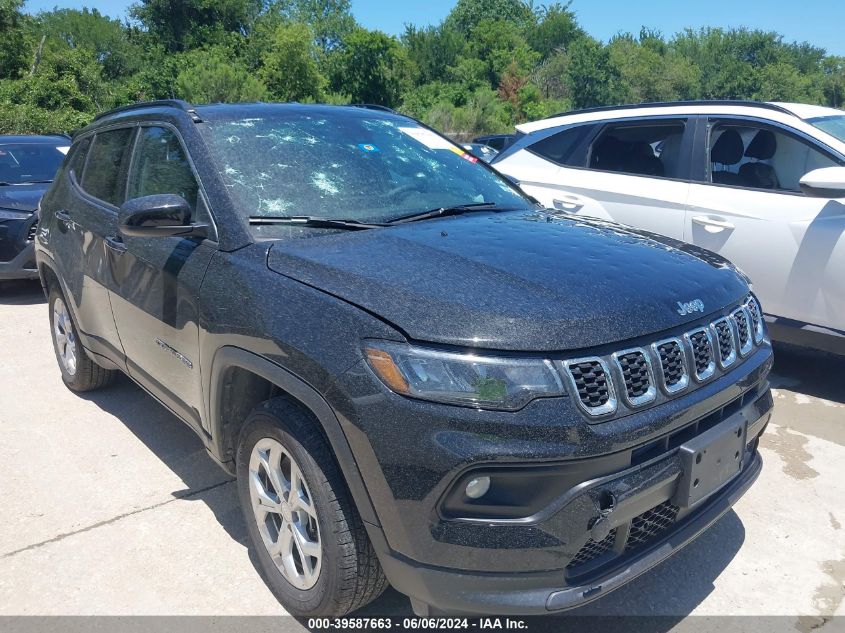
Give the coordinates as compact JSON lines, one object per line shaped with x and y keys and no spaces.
{"x":63,"y":216}
{"x":712,"y":225}
{"x":116,"y":245}
{"x":568,"y":204}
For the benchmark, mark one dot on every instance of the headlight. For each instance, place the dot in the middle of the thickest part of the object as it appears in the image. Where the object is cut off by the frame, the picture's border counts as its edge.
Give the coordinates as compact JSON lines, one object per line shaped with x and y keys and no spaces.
{"x":12,"y":214}
{"x":467,"y":379}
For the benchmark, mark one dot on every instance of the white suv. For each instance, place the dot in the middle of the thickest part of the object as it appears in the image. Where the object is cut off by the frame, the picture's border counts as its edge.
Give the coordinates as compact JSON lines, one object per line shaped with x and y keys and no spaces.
{"x":761,"y":183}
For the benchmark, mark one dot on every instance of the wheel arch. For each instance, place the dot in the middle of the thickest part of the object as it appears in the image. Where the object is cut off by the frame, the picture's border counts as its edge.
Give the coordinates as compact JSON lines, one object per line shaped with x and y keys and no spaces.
{"x":234,"y":367}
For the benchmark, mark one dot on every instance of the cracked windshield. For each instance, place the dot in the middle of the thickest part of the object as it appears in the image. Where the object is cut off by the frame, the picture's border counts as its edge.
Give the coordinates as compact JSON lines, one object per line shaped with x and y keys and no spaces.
{"x":369,"y":168}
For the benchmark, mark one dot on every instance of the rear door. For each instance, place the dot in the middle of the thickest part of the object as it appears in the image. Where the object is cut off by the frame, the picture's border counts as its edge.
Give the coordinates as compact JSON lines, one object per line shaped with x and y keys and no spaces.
{"x":86,"y":214}
{"x":157,"y":280}
{"x":748,"y":207}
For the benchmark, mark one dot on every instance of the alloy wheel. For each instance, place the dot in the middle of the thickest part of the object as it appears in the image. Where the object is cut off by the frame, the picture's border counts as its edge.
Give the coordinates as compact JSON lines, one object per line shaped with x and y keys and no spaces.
{"x":65,"y":336}
{"x":284,"y":510}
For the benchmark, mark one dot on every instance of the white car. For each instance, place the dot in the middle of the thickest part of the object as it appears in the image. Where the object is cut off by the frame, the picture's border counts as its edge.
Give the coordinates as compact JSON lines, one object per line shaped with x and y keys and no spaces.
{"x":762,"y":184}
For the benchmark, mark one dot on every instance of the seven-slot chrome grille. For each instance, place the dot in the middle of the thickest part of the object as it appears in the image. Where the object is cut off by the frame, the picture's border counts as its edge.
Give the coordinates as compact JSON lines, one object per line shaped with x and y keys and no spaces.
{"x":668,"y":365}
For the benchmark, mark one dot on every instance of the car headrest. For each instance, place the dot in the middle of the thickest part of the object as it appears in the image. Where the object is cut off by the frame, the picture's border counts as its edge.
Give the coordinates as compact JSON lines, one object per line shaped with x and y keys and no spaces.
{"x":763,"y":146}
{"x":728,"y":149}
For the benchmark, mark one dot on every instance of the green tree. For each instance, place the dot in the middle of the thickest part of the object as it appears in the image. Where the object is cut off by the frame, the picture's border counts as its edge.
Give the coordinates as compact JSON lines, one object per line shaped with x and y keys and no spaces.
{"x":289,"y":67}
{"x":499,"y":44}
{"x":592,"y":80}
{"x":369,"y":67}
{"x":466,"y":15}
{"x":106,"y":39}
{"x":211,"y":77}
{"x":14,"y":51}
{"x":556,"y":30}
{"x":184,"y":24}
{"x":431,"y":51}
{"x":330,"y":20}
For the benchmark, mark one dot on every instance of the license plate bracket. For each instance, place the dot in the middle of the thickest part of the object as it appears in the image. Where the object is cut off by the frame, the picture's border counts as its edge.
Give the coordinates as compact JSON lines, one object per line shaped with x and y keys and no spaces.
{"x":709,"y":461}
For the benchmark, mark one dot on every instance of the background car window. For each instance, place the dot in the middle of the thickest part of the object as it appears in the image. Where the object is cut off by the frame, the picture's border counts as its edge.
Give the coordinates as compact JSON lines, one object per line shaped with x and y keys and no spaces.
{"x":559,"y":148}
{"x":104,"y":175}
{"x":642,"y":149}
{"x":761,"y":158}
{"x":22,"y":163}
{"x":161,"y":166}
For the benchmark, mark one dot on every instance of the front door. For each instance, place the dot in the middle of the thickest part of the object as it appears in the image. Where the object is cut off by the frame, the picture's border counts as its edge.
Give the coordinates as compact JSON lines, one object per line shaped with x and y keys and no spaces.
{"x":157,"y":281}
{"x":752,"y":211}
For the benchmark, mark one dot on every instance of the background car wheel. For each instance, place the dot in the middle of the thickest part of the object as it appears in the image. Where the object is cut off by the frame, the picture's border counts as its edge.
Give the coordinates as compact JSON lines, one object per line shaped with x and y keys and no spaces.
{"x":79,"y":372}
{"x":312,"y":548}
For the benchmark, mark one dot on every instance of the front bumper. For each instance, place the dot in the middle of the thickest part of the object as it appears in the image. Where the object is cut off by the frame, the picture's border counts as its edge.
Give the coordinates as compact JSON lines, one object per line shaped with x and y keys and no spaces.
{"x":547,"y":558}
{"x":434,"y":590}
{"x":17,"y":249}
{"x":22,"y":266}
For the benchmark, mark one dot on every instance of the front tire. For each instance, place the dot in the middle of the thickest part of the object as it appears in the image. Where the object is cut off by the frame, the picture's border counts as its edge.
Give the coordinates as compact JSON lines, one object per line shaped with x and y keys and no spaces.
{"x":79,"y":372}
{"x":312,"y":548}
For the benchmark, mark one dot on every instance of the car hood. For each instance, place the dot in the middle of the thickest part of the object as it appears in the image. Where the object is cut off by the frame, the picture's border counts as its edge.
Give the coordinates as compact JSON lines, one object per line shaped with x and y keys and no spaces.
{"x":521,"y":280}
{"x":21,"y":197}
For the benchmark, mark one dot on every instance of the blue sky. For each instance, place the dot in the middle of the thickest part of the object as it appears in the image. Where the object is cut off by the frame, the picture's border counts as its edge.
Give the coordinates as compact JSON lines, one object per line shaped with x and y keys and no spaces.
{"x":819,"y":22}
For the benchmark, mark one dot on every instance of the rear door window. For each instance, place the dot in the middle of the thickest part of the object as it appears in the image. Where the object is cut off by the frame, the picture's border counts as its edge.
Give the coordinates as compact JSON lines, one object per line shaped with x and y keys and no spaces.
{"x":105,"y":172}
{"x":651,"y":149}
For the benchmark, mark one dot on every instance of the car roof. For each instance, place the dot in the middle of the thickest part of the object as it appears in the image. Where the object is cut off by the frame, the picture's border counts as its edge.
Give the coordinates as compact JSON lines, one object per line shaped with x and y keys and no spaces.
{"x":33,"y":138}
{"x":228,"y":111}
{"x":806,"y":111}
{"x":777,"y":111}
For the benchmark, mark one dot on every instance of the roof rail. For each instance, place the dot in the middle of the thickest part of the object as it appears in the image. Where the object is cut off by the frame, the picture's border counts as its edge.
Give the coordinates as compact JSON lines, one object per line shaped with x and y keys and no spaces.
{"x":160,"y":103}
{"x":669,"y":104}
{"x":374,"y":106}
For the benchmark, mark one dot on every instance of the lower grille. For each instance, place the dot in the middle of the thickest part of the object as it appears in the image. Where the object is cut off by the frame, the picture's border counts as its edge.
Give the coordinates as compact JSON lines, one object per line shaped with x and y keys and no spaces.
{"x":592,"y":550}
{"x":650,"y":524}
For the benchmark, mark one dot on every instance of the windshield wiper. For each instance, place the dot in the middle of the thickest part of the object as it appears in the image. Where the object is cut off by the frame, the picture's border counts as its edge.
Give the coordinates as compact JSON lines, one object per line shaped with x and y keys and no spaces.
{"x":307,"y":220}
{"x":440,"y":212}
{"x":34,"y":182}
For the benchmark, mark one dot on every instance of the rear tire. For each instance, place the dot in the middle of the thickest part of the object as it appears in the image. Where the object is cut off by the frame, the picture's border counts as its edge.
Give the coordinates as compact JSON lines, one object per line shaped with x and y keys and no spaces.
{"x":79,"y":372}
{"x":312,"y":524}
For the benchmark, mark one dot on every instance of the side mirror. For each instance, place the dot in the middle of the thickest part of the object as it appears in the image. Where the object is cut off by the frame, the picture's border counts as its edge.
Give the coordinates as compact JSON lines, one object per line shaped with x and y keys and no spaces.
{"x":828,"y":182}
{"x":160,"y":215}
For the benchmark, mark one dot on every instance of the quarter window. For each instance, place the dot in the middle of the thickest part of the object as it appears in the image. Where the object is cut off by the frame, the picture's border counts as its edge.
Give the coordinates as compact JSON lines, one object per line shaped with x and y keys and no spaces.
{"x":559,"y":148}
{"x":760,"y":157}
{"x":161,"y":166}
{"x":105,"y":174}
{"x":652,"y":149}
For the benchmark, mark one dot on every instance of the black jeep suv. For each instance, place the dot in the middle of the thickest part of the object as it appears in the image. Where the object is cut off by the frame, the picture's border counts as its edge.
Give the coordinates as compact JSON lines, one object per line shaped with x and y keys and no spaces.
{"x":418,"y":376}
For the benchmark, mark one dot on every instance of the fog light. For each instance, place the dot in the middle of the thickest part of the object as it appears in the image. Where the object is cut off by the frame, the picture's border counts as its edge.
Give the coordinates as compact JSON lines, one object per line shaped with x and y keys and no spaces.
{"x":478,"y":487}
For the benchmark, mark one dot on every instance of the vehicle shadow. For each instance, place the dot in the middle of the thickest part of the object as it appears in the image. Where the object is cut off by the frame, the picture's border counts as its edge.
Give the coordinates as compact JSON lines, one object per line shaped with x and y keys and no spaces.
{"x":178,"y":447}
{"x":23,"y":292}
{"x":809,"y":372}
